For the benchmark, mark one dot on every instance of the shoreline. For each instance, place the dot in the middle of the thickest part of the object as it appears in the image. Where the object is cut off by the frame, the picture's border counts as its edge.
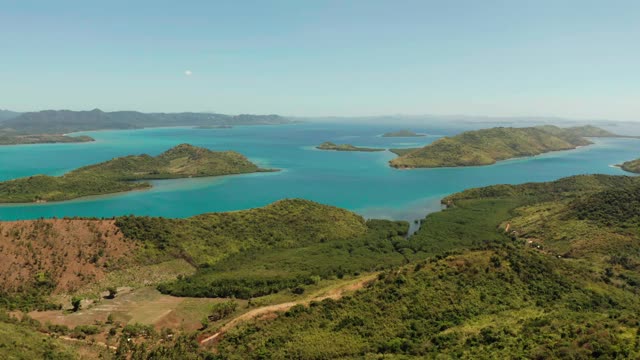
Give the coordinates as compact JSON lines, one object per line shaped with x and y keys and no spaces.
{"x":497,"y":162}
{"x":118,"y":193}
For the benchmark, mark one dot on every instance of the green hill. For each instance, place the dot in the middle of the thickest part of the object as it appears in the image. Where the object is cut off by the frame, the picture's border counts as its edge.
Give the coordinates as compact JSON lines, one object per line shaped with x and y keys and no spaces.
{"x":533,"y":271}
{"x":344,"y":147}
{"x":485,"y":147}
{"x":510,"y":272}
{"x":123,"y":174}
{"x":261,"y":251}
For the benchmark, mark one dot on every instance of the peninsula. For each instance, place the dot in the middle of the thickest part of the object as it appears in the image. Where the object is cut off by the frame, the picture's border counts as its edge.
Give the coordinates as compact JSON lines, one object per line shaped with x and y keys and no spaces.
{"x":487,"y":146}
{"x":403,"y":133}
{"x":345,"y":147}
{"x":8,"y":139}
{"x":631,"y":166}
{"x":126,"y":174}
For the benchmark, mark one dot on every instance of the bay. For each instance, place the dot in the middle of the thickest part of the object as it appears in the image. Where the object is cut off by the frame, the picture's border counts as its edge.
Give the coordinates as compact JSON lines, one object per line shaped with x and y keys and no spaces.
{"x":359,"y":181}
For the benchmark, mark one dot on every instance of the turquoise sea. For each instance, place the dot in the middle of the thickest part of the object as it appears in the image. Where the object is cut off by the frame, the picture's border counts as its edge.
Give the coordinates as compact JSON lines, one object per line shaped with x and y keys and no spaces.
{"x":362,"y":182}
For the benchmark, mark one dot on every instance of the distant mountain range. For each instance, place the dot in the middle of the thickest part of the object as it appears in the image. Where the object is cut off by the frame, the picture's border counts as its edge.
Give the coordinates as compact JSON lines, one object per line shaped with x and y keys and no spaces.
{"x":66,"y":121}
{"x":6,"y":115}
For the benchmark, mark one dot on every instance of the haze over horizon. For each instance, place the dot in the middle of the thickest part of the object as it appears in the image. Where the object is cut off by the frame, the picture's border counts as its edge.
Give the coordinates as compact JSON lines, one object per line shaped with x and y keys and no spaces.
{"x":573,"y":59}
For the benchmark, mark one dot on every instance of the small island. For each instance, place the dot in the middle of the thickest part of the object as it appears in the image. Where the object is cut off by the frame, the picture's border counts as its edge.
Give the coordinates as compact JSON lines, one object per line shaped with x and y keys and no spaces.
{"x":126,"y":174}
{"x":632,"y":166}
{"x":403,"y":133}
{"x":7,"y":139}
{"x":345,"y":147}
{"x":207,"y":127}
{"x":487,"y":146}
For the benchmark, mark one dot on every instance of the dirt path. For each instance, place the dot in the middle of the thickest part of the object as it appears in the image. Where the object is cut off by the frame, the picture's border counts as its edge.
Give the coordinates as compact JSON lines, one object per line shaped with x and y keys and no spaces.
{"x":335,"y":293}
{"x":98,"y":343}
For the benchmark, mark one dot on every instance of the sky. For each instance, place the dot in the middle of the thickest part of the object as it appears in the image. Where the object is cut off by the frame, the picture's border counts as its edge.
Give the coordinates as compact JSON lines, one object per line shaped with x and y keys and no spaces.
{"x":567,"y":58}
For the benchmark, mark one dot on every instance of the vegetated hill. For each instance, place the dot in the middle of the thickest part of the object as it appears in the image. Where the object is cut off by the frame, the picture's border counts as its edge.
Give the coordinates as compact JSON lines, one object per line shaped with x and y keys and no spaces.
{"x":507,"y":271}
{"x":121,"y":174}
{"x":631,"y":166}
{"x":515,"y":275}
{"x":402,"y":133}
{"x":66,"y":121}
{"x":485,"y":147}
{"x":288,"y":244}
{"x":41,"y":257}
{"x":590,"y":131}
{"x":327,"y":145}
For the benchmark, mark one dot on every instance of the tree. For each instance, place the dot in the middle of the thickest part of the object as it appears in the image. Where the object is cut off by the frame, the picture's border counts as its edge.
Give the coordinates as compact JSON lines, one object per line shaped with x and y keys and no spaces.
{"x":112,"y":292}
{"x":75,"y":302}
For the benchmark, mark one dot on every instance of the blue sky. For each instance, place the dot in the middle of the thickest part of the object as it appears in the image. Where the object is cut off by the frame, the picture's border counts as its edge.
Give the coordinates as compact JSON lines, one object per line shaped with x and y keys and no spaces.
{"x":565,"y":58}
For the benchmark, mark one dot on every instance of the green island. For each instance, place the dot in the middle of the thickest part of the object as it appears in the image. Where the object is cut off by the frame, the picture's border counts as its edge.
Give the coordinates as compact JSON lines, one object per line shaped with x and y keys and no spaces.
{"x":487,"y":146}
{"x":8,"y":139}
{"x":403,"y":133}
{"x":345,"y":147}
{"x":539,"y":270}
{"x":631,"y":166}
{"x":207,"y":127}
{"x":126,"y":174}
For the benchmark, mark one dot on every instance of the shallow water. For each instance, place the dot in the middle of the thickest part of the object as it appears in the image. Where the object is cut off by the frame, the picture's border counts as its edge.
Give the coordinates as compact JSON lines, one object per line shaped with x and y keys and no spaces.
{"x":359,"y":181}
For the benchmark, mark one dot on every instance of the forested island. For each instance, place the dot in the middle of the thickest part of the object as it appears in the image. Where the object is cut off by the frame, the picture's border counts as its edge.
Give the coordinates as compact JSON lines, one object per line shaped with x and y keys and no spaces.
{"x":125,"y":174}
{"x":6,"y":139}
{"x":487,"y":146}
{"x":207,"y":127}
{"x":403,"y":133}
{"x":539,"y":270}
{"x":345,"y":147}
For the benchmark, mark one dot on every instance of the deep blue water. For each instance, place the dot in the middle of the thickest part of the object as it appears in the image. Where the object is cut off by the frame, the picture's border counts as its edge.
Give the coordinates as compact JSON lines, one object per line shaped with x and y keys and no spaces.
{"x":361,"y":182}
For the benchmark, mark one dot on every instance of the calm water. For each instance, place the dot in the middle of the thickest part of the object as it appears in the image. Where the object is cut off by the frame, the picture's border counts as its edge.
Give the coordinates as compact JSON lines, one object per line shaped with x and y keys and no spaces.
{"x":361,"y":182}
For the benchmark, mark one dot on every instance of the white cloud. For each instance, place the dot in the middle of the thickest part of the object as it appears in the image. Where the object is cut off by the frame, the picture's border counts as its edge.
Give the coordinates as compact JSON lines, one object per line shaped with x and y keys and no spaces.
{"x":188,"y":72}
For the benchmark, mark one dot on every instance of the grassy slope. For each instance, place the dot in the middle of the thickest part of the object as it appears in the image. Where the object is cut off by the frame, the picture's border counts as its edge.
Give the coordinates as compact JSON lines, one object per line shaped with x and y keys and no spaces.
{"x":485,"y":293}
{"x":485,"y":147}
{"x":20,"y":340}
{"x":117,"y":175}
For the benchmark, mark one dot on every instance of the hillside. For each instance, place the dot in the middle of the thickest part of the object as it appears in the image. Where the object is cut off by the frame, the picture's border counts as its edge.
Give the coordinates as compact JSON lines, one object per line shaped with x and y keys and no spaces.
{"x":41,"y":257}
{"x":288,"y":244}
{"x":345,"y":147}
{"x":631,"y":166}
{"x":517,"y":274}
{"x":66,"y":121}
{"x":485,"y":147}
{"x":123,"y":174}
{"x":539,"y":270}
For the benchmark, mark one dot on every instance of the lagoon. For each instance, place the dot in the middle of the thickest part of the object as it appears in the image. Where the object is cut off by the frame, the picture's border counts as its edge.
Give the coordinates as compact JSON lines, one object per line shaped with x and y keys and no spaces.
{"x":359,"y":181}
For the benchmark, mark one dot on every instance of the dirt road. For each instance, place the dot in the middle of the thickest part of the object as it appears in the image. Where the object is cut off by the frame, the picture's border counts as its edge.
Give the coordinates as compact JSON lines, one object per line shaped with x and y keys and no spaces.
{"x":334,"y":293}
